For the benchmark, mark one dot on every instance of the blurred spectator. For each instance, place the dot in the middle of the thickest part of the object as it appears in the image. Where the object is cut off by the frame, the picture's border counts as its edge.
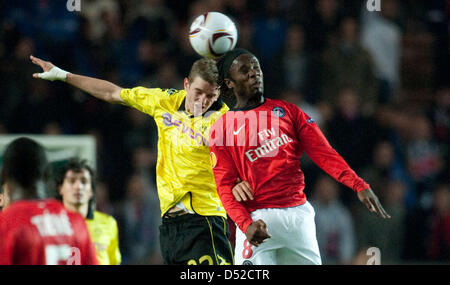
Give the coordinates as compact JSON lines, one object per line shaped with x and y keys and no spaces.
{"x":348,"y":64}
{"x":269,"y":31}
{"x":150,"y":19}
{"x":290,"y":68}
{"x":237,"y":9}
{"x":15,"y":75}
{"x":44,"y":106}
{"x":183,"y":53}
{"x":141,"y":131}
{"x":321,"y":25}
{"x":102,"y":201}
{"x":439,"y":238}
{"x":351,"y":134}
{"x":139,"y":218}
{"x":387,"y":235}
{"x":381,"y":36}
{"x":95,"y":12}
{"x":165,"y":77}
{"x":294,"y":96}
{"x":423,"y":159}
{"x":440,"y":117}
{"x":334,"y":224}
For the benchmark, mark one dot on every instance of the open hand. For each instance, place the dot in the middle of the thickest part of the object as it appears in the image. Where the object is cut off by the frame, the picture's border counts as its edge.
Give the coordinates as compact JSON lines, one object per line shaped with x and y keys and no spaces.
{"x":368,"y":198}
{"x":242,"y":191}
{"x":45,"y":65}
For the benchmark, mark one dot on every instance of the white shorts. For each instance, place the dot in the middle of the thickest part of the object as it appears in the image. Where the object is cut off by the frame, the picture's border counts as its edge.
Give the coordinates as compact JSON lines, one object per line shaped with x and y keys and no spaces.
{"x":293,"y":238}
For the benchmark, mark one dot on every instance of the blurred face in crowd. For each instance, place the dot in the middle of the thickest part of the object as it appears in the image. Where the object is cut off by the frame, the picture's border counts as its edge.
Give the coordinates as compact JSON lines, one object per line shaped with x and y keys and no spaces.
{"x":348,"y":103}
{"x":349,"y":29}
{"x":326,"y":190}
{"x":441,"y":199}
{"x":395,"y":193}
{"x":200,"y":95}
{"x":384,"y":154}
{"x":76,"y":189}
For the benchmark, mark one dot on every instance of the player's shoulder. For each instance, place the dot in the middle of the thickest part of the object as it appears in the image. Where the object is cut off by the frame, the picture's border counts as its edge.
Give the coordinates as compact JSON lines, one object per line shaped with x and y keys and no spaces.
{"x":282,"y":108}
{"x":104,"y":218}
{"x":281,"y":103}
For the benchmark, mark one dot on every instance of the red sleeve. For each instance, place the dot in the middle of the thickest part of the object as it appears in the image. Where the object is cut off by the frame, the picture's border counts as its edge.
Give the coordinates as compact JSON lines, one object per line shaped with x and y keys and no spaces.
{"x":226,"y":174}
{"x":322,"y":153}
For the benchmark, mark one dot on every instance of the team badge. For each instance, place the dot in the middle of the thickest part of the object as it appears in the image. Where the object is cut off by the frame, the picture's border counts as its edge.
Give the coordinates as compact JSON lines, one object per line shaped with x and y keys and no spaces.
{"x":310,"y":121}
{"x":169,"y":91}
{"x":247,"y":262}
{"x":213,"y":159}
{"x":278,"y":111}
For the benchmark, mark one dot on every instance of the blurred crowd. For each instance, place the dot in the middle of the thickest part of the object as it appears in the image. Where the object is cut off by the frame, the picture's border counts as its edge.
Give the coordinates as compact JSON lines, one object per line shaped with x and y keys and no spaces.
{"x":377,"y":83}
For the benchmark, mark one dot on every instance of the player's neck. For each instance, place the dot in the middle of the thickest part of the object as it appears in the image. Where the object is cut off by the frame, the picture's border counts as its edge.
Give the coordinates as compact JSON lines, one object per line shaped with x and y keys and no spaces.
{"x":17,"y":192}
{"x":81,"y":209}
{"x":243,"y":102}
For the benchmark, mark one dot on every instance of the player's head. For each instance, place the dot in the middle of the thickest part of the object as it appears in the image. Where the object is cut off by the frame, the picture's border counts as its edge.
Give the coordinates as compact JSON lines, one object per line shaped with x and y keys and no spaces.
{"x":240,"y":74}
{"x":201,"y":86}
{"x":75,"y":185}
{"x":24,"y":167}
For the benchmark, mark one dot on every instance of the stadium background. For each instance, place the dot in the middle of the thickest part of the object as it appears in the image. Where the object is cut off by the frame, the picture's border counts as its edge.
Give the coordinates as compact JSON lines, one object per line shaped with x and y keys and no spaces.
{"x":375,"y":82}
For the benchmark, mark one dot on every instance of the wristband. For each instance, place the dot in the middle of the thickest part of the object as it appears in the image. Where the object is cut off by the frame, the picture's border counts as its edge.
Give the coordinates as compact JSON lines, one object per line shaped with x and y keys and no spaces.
{"x":53,"y":74}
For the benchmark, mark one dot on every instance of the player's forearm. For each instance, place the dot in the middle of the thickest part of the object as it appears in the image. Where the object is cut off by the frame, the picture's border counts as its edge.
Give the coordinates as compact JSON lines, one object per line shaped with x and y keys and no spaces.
{"x":237,"y":212}
{"x":101,"y":89}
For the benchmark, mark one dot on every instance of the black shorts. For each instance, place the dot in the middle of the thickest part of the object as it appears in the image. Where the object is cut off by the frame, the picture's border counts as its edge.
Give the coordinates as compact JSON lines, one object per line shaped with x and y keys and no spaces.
{"x":192,"y":239}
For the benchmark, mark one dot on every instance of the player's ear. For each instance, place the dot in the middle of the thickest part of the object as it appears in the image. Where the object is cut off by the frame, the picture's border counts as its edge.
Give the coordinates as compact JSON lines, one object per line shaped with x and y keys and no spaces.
{"x":186,"y":83}
{"x":229,"y":83}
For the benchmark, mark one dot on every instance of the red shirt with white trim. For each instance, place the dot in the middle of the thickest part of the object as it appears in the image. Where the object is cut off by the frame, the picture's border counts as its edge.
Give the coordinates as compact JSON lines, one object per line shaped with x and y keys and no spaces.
{"x":43,"y":232}
{"x":263,"y":146}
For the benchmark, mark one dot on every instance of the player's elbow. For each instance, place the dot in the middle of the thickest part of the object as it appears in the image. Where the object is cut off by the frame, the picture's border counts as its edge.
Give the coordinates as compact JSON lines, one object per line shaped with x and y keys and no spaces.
{"x":114,"y":96}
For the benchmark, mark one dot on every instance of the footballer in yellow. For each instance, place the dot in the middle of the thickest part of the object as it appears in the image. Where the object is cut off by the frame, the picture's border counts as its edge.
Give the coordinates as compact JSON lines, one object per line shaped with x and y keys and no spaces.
{"x":194,"y":228}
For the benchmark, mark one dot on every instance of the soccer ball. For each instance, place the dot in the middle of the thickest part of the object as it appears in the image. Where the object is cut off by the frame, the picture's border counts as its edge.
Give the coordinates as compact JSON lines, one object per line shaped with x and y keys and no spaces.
{"x":213,"y":34}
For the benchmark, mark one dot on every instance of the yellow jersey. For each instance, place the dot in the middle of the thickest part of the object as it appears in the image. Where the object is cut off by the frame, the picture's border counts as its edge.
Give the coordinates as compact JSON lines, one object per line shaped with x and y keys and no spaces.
{"x":183,"y":170}
{"x":105,"y":236}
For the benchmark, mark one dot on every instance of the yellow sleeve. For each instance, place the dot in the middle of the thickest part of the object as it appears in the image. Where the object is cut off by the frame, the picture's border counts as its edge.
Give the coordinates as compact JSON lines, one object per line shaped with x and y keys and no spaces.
{"x":146,"y":100}
{"x":115,"y":258}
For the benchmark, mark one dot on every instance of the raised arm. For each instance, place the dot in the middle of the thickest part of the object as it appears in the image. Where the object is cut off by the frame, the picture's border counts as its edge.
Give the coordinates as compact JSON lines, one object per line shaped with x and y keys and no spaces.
{"x":101,"y":89}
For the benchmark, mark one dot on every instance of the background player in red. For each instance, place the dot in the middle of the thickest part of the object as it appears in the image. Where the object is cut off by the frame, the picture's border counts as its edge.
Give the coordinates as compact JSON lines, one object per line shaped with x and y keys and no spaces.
{"x":35,"y":230}
{"x":261,"y":141}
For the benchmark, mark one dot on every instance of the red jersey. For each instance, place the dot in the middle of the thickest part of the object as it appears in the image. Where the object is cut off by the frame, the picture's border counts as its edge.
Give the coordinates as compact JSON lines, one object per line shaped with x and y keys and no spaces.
{"x":43,"y":232}
{"x":263,"y":146}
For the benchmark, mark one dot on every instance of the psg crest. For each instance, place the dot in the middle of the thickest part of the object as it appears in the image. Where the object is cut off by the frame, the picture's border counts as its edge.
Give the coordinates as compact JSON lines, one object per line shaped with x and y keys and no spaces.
{"x":278,"y":111}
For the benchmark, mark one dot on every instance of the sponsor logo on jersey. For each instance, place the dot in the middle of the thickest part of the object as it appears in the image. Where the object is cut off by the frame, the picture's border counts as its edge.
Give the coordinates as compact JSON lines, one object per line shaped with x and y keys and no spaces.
{"x":238,"y":130}
{"x":310,"y":120}
{"x":278,"y":111}
{"x":170,"y":91}
{"x":169,"y":121}
{"x":271,"y":142}
{"x":213,"y":159}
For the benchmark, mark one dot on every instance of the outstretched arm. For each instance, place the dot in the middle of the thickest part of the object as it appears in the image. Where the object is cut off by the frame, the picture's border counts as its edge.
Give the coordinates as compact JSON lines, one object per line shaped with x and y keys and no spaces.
{"x":101,"y":89}
{"x":320,"y":151}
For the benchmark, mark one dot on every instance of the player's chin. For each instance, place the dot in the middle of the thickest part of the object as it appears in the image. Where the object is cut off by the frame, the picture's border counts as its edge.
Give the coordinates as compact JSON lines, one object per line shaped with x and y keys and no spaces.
{"x":257,"y":92}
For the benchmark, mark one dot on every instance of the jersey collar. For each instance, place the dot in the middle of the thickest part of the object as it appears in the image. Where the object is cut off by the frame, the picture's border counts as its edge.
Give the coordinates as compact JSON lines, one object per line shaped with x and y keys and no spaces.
{"x":246,"y":108}
{"x":216,"y":106}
